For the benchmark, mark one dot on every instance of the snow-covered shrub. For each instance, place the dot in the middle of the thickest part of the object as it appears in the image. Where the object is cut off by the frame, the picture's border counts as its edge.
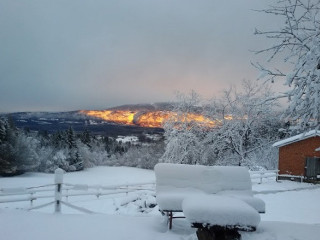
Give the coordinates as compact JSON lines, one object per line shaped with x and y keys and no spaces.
{"x":139,"y":156}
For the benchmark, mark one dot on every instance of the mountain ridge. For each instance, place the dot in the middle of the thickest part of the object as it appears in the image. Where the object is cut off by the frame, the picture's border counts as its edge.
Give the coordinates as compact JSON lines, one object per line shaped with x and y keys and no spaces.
{"x":58,"y":121}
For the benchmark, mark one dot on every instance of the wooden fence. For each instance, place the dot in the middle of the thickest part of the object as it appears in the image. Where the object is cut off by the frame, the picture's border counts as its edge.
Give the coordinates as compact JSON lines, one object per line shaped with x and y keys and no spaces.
{"x":266,"y":174}
{"x":60,"y":191}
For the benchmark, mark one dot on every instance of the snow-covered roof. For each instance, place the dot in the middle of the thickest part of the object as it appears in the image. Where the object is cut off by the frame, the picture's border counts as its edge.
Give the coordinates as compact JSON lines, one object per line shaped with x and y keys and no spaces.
{"x":297,"y":138}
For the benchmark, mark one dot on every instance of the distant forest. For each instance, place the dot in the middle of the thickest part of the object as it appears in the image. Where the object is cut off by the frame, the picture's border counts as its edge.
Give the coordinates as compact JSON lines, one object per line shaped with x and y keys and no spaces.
{"x":23,"y":150}
{"x":237,"y":129}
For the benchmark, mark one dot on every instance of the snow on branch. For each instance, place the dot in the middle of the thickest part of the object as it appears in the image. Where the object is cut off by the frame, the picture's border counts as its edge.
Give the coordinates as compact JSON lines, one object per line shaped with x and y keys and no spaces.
{"x":297,"y":42}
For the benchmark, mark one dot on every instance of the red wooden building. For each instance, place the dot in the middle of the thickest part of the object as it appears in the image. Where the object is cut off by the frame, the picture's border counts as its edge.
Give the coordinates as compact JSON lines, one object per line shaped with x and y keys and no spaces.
{"x":300,"y":155}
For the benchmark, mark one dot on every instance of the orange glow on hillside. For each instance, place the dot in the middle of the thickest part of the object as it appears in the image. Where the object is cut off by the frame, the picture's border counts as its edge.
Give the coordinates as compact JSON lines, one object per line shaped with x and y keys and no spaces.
{"x":118,"y":116}
{"x":228,"y":117}
{"x":153,"y":119}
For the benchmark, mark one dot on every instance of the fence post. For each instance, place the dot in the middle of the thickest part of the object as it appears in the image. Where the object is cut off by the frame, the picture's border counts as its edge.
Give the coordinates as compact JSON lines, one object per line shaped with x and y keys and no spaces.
{"x":98,"y":191}
{"x":58,"y":180}
{"x":261,"y":176}
{"x":67,"y":195}
{"x":31,"y":199}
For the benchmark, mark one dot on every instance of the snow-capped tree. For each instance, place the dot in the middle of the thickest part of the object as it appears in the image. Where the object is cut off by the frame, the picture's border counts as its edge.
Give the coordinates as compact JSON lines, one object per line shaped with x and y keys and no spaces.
{"x":142,"y":156}
{"x":27,"y":158}
{"x":18,"y":151}
{"x":183,"y":135}
{"x":86,"y":138}
{"x":8,"y":164}
{"x":297,"y":43}
{"x":245,"y":123}
{"x":70,"y":138}
{"x":2,"y":130}
{"x":244,"y":126}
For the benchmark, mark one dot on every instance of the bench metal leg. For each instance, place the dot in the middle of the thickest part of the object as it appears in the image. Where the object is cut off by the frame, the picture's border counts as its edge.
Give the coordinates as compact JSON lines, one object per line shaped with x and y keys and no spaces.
{"x":170,"y":217}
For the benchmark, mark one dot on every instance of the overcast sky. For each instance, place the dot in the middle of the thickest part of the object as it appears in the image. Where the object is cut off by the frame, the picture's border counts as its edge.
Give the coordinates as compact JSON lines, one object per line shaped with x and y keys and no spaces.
{"x":60,"y":55}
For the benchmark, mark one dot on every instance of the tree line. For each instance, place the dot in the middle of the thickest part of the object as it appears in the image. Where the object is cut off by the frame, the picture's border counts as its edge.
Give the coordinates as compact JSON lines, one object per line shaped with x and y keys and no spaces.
{"x":23,"y":150}
{"x":246,"y":124}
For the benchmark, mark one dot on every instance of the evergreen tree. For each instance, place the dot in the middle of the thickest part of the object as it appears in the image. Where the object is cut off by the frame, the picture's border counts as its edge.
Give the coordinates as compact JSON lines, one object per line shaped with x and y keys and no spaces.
{"x":70,"y":138}
{"x":86,"y":138}
{"x":8,"y":161}
{"x":74,"y":158}
{"x":2,"y":130}
{"x":57,"y":140}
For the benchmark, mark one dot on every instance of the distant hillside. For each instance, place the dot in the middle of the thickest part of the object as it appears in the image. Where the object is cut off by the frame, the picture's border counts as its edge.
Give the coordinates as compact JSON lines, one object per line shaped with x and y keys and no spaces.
{"x":123,"y":120}
{"x":54,"y":121}
{"x":148,"y":115}
{"x":145,"y":107}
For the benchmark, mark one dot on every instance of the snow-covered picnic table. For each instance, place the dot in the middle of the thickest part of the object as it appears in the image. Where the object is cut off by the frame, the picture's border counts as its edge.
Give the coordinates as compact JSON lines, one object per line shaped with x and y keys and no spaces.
{"x":206,"y":186}
{"x":219,"y":215}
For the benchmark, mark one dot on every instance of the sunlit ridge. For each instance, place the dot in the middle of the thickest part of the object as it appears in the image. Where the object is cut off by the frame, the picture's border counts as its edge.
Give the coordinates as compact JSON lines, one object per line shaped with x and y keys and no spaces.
{"x":152,"y":119}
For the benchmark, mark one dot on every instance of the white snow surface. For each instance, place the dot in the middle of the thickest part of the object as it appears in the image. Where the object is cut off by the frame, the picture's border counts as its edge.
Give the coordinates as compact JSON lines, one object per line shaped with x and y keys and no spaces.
{"x":103,"y":176}
{"x":292,"y":211}
{"x":220,"y":210}
{"x":127,"y":139}
{"x":257,"y":203}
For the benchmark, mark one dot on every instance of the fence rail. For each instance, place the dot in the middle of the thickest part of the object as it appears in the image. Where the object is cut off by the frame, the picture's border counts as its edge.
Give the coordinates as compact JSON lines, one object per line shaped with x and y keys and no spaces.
{"x":264,"y":175}
{"x":60,"y":190}
{"x":292,"y":177}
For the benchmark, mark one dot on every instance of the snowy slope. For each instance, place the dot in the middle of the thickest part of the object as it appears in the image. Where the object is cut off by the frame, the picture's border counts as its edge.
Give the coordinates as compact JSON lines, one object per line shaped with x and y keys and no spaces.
{"x":18,"y":225}
{"x":290,"y":214}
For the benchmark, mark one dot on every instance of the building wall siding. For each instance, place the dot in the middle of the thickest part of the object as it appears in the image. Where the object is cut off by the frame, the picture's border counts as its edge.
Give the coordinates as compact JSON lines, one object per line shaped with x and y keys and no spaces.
{"x":292,"y":156}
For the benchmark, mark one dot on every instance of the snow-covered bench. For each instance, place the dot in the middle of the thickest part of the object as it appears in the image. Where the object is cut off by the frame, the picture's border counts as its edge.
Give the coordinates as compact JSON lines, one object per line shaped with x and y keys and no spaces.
{"x":176,"y":182}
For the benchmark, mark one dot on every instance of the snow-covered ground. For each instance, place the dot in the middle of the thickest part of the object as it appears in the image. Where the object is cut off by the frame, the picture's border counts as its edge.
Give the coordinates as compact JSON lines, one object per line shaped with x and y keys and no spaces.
{"x":293,"y":210}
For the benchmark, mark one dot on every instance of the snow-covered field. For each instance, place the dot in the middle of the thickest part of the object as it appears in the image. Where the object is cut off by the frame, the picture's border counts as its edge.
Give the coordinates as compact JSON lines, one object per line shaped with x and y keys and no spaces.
{"x":293,"y":210}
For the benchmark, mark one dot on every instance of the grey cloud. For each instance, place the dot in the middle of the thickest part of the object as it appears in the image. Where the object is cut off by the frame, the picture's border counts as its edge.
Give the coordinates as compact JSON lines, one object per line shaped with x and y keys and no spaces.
{"x":65,"y":55}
